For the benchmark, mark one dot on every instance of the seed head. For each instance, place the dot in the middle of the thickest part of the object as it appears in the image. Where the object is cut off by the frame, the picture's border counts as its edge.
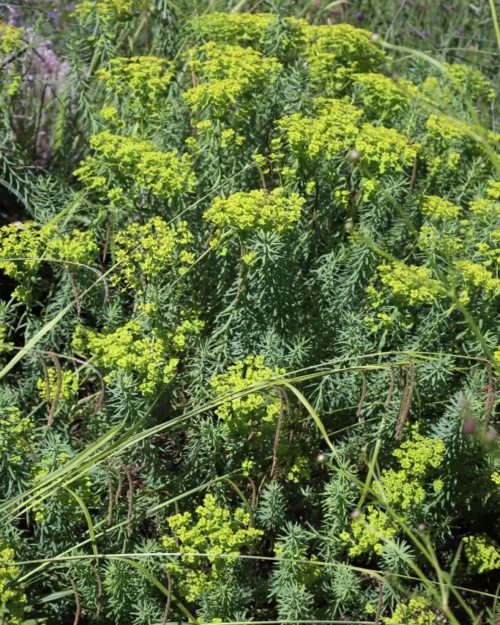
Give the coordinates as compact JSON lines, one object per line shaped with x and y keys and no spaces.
{"x":469,"y":426}
{"x":491,"y":436}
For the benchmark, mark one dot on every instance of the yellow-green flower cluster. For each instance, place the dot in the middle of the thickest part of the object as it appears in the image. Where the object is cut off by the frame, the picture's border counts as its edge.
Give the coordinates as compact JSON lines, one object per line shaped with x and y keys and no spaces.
{"x":444,"y":143}
{"x":369,"y":532}
{"x":490,"y":254}
{"x":234,"y":28}
{"x":461,"y":80}
{"x":246,"y":211}
{"x":252,"y":410}
{"x":328,"y":134}
{"x":477,"y":275}
{"x":77,"y":247}
{"x":417,"y":458}
{"x":416,"y":611}
{"x":215,"y":531}
{"x":69,"y":386}
{"x":493,"y":189}
{"x":448,"y":143}
{"x":107,"y":10}
{"x":125,"y":166}
{"x":432,"y":239}
{"x":30,"y":241}
{"x":145,"y":252}
{"x":384,"y":97}
{"x":336,"y":130}
{"x":11,"y":38}
{"x":437,"y":207}
{"x":140,"y":82}
{"x":210,"y":134}
{"x":299,"y":471}
{"x":482,"y":553}
{"x":410,"y":283}
{"x":12,"y":599}
{"x":487,"y":207}
{"x":441,"y":131}
{"x":469,"y":81}
{"x":228,"y":76}
{"x":384,"y":150}
{"x":418,"y":455}
{"x":337,"y":52}
{"x":27,"y":241}
{"x":249,"y":29}
{"x":15,"y":435}
{"x":128,"y":349}
{"x":5,"y":345}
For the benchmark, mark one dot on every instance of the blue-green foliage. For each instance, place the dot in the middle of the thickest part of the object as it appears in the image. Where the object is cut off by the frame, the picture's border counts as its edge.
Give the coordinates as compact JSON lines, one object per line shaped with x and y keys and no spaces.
{"x":274,"y":274}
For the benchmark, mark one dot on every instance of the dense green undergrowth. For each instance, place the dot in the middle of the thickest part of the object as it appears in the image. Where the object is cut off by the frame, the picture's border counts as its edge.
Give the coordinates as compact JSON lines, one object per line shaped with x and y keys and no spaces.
{"x":249,"y":326}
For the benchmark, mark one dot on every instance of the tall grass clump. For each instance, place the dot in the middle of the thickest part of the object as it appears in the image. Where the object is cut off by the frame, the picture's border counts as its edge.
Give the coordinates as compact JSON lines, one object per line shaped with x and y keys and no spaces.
{"x":249,"y":313}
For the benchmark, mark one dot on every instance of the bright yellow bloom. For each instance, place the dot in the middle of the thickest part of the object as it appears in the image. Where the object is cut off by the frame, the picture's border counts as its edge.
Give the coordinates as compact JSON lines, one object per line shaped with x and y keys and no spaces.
{"x":215,"y":531}
{"x":247,"y":211}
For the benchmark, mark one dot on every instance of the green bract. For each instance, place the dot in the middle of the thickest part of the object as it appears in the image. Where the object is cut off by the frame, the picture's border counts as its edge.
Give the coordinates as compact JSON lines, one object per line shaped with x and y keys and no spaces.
{"x":252,"y":409}
{"x":11,"y":38}
{"x":245,"y":212}
{"x":145,"y":253}
{"x":149,"y":357}
{"x":12,"y":599}
{"x":411,"y":284}
{"x":234,"y":28}
{"x":140,"y":82}
{"x":369,"y":532}
{"x":250,"y":350}
{"x":416,"y":611}
{"x":106,"y":9}
{"x":336,"y":53}
{"x":331,"y":133}
{"x":383,"y":97}
{"x":20,"y":243}
{"x":123,"y":167}
{"x":417,"y":458}
{"x":482,"y":553}
{"x":215,"y":531}
{"x":15,"y":434}
{"x":226,"y":76}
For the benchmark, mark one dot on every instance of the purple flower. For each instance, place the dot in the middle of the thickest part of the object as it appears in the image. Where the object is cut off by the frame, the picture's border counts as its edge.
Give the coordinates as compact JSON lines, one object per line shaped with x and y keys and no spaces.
{"x":461,"y":30}
{"x":360,"y":16}
{"x":423,"y":33}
